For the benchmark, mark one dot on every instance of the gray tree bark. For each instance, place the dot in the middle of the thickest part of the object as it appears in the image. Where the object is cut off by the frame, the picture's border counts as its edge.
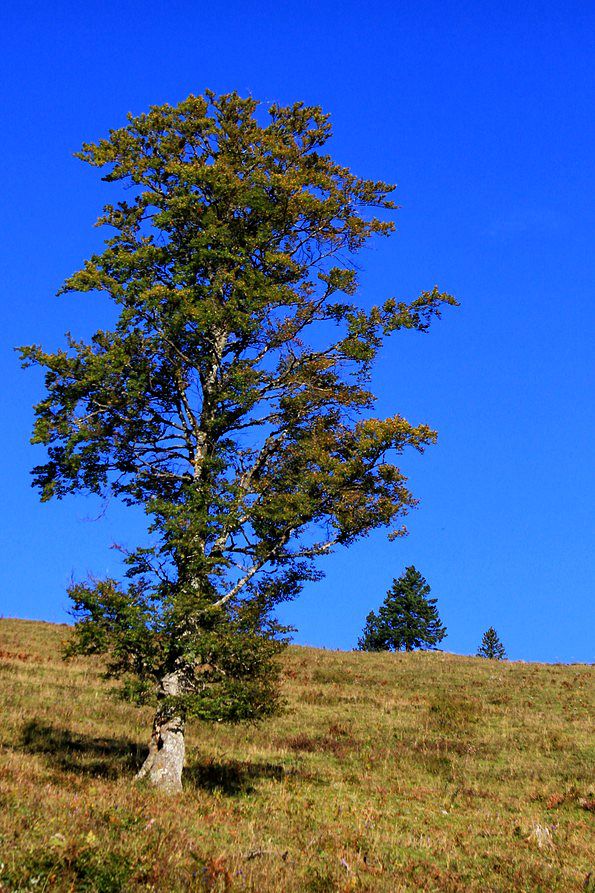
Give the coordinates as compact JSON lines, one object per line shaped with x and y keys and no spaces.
{"x":165,"y":761}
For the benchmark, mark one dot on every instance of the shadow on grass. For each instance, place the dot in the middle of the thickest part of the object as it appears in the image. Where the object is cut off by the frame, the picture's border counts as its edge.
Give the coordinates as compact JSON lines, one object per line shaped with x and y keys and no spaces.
{"x":112,"y":758}
{"x":83,"y":754}
{"x":232,"y":777}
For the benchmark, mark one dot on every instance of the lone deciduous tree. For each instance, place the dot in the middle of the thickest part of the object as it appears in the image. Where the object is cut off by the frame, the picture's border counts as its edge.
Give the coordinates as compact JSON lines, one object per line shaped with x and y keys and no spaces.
{"x":229,"y":400}
{"x":407,"y":618}
{"x":491,"y":646}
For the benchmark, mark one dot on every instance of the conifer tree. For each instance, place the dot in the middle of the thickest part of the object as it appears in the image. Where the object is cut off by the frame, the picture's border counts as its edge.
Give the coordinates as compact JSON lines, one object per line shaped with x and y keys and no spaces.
{"x":407,"y":618}
{"x":230,"y":399}
{"x":491,"y":646}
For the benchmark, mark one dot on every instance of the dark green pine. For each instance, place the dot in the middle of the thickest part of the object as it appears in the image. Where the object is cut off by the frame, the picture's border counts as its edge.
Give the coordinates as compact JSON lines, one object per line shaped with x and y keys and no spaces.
{"x":491,"y":647}
{"x":406,"y":620}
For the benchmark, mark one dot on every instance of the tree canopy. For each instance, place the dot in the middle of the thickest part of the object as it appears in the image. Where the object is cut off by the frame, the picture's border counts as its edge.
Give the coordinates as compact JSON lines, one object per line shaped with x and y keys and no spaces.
{"x":407,"y":618}
{"x":231,"y":398}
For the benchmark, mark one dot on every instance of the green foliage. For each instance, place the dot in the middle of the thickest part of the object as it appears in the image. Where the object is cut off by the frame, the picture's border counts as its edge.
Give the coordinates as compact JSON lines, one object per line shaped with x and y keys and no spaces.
{"x":491,"y":647}
{"x":233,"y":673}
{"x":407,"y":619}
{"x":212,"y":403}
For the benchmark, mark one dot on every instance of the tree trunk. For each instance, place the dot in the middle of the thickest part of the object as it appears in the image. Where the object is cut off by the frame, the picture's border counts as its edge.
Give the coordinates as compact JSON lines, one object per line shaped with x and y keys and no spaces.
{"x":165,"y":761}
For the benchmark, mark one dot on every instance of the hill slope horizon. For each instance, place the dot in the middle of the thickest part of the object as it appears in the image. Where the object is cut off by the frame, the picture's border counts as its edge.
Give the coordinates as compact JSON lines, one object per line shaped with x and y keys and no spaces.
{"x":330,"y":649}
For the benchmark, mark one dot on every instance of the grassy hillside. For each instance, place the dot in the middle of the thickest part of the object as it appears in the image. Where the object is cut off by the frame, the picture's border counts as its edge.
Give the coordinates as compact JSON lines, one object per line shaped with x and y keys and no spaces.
{"x":386,"y":773}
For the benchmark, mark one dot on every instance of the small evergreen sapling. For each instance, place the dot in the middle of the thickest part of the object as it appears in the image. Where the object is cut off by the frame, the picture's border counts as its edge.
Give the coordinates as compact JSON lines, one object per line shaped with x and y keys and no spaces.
{"x":407,"y":619}
{"x":491,"y":646}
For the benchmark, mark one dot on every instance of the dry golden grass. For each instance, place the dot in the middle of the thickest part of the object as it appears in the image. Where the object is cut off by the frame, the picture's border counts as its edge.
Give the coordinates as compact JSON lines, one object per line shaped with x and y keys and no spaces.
{"x":392,"y":773}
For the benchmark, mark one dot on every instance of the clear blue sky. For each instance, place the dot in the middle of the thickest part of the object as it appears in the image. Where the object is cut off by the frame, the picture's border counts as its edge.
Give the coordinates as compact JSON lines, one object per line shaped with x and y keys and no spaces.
{"x":483,"y":114}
